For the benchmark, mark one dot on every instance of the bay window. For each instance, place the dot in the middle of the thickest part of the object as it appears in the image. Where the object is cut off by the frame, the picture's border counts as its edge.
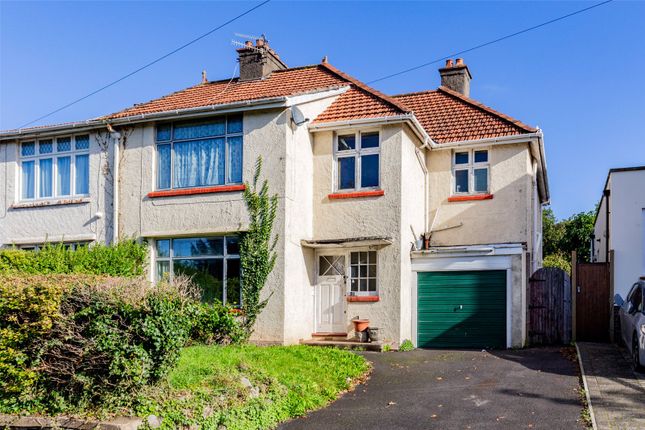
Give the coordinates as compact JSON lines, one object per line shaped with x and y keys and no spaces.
{"x":357,"y":157}
{"x":213,"y":264}
{"x":52,"y":168}
{"x":470,"y":172}
{"x":198,"y":154}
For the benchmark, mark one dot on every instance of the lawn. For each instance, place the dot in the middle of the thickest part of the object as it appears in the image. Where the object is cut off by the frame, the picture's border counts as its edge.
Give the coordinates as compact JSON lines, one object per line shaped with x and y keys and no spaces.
{"x":249,"y":387}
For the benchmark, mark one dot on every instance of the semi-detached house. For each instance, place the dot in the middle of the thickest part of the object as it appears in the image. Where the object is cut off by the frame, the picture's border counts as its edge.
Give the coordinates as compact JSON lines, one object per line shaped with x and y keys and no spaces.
{"x":360,"y":176}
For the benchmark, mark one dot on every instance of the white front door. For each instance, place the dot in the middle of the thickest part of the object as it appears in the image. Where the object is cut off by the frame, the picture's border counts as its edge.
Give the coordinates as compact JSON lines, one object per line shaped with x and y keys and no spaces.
{"x":330,"y":294}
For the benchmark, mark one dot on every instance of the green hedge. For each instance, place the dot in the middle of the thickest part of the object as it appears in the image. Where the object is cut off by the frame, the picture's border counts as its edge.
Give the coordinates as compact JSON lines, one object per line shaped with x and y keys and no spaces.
{"x":72,"y":341}
{"x":126,"y":258}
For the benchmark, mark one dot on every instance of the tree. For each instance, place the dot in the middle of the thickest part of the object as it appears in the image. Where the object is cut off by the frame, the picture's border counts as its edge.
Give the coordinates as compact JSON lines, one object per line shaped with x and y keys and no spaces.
{"x":257,"y":247}
{"x":571,"y":234}
{"x":552,"y":233}
{"x":577,"y":233}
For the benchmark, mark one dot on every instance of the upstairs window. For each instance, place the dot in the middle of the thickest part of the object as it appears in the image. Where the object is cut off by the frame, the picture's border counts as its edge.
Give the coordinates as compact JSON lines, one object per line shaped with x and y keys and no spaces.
{"x":56,"y":167}
{"x":470,"y":172}
{"x":198,"y":154}
{"x":357,"y":158}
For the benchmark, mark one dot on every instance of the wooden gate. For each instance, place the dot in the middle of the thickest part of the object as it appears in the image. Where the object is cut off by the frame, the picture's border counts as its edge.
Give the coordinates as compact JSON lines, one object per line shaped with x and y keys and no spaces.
{"x":593,"y":304}
{"x":549,"y":307}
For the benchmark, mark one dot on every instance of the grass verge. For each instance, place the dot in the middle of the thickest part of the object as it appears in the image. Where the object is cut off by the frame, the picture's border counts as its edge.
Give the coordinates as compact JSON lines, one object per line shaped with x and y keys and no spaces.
{"x":249,"y":387}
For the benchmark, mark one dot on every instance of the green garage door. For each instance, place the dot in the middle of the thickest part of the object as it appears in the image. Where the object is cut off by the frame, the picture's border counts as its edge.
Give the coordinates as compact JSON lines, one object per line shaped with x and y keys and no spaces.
{"x":461,"y":309}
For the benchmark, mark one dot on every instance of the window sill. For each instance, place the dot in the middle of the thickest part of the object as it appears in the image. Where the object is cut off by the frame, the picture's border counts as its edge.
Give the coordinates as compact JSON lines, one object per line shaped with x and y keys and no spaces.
{"x":200,"y":190}
{"x":363,"y":298}
{"x":357,"y":194}
{"x":469,"y":198}
{"x":53,"y":202}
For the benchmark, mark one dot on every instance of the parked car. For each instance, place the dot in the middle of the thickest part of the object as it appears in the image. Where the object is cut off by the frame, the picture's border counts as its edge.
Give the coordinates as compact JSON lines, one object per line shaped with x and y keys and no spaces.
{"x":632,"y":322}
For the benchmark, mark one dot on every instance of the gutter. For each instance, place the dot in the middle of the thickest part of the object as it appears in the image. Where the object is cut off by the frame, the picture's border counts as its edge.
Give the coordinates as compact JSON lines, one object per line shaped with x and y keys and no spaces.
{"x":274,"y":102}
{"x":418,"y":130}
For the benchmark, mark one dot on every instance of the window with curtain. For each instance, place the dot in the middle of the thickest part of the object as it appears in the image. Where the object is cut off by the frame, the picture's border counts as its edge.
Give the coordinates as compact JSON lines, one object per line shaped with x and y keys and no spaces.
{"x":56,"y":167}
{"x":213,"y":263}
{"x":357,"y":161}
{"x":198,"y":154}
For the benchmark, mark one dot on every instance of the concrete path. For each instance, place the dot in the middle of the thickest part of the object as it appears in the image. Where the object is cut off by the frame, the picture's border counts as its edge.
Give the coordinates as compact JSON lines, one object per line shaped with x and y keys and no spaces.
{"x":447,"y":389}
{"x":617,"y":393}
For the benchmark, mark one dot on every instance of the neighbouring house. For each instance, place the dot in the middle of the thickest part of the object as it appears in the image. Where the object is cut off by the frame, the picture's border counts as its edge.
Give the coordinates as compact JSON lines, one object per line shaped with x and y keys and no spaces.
{"x":620,"y":227}
{"x":360,"y":176}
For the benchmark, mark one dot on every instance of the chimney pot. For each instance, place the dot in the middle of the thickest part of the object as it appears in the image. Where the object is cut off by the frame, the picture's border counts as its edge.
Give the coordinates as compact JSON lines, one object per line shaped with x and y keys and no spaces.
{"x":457,"y":78}
{"x":324,"y":59}
{"x":258,"y":62}
{"x":204,"y":78}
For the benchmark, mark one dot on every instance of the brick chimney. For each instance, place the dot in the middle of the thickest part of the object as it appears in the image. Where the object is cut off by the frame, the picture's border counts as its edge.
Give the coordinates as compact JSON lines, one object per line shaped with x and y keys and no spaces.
{"x":258,"y":61}
{"x":456,"y":76}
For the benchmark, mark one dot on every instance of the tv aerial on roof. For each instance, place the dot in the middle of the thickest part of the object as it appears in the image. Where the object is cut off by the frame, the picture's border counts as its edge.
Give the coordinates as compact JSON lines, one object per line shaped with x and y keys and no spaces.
{"x":250,"y":36}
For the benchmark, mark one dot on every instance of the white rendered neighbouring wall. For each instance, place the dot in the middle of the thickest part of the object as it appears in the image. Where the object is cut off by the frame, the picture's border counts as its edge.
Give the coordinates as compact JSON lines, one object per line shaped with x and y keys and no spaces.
{"x":626,"y":236}
{"x":59,"y":219}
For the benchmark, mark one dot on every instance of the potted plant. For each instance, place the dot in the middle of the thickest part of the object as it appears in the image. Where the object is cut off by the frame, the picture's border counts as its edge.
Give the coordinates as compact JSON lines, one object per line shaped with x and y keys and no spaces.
{"x":360,"y":327}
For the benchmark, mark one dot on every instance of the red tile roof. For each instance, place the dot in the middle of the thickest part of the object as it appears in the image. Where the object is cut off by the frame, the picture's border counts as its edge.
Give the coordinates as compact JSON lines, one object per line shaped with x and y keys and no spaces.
{"x":360,"y":101}
{"x":448,"y":116}
{"x":280,"y":83}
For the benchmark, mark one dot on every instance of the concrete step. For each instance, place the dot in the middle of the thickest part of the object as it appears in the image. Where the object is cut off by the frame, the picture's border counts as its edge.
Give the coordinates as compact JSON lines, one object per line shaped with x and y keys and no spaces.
{"x":345,"y":344}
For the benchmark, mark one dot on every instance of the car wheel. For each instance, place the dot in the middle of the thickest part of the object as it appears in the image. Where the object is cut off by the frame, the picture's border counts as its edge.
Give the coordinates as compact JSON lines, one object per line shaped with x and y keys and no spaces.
{"x":635,"y":354}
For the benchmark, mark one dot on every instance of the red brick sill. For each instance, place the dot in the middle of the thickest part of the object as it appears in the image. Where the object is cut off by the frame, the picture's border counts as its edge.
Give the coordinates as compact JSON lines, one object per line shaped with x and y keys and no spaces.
{"x":474,"y":197}
{"x":192,"y":191}
{"x":363,"y":298}
{"x":357,"y":194}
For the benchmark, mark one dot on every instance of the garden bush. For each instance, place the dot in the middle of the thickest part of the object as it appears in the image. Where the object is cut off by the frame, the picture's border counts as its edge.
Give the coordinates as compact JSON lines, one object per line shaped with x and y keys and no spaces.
{"x":125,"y":258}
{"x":72,"y":341}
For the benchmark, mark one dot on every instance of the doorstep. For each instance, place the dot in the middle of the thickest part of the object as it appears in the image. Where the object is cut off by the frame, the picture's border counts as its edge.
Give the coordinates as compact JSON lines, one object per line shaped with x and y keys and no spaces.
{"x":345,"y":344}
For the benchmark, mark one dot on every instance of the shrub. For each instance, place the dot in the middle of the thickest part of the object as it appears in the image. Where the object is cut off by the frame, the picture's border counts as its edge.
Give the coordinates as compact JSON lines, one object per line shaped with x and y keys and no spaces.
{"x":28,"y":310}
{"x":76,"y":341}
{"x":125,"y":258}
{"x":406,"y":345}
{"x":215,"y":323}
{"x":557,"y":260}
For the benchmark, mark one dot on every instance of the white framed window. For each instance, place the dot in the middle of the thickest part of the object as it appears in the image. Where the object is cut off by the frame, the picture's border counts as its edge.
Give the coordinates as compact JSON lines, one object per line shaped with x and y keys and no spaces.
{"x":213,"y":263}
{"x":470,"y":171}
{"x":55,"y":167}
{"x":73,"y":246}
{"x":357,"y":160}
{"x":363,"y":273}
{"x":199,"y":153}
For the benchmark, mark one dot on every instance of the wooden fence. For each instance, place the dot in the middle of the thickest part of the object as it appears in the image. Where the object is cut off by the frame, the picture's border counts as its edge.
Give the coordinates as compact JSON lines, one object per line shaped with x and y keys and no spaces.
{"x":550,"y":310}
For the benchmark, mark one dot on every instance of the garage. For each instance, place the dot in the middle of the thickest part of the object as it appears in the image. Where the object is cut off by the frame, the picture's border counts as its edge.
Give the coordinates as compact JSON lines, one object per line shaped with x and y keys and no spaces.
{"x":461,"y":309}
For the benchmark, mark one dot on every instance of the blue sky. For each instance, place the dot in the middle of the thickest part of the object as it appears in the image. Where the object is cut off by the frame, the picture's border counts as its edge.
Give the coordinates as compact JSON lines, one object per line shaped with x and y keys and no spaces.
{"x":580,"y":80}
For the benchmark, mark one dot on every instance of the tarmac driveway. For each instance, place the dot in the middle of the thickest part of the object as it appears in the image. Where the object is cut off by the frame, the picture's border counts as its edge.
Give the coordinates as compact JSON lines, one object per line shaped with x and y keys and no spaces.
{"x":447,"y":389}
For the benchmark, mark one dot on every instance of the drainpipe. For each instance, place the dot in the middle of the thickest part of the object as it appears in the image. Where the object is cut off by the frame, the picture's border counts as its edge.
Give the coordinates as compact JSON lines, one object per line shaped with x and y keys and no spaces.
{"x":422,"y":163}
{"x":115,"y":185}
{"x":606,"y":193}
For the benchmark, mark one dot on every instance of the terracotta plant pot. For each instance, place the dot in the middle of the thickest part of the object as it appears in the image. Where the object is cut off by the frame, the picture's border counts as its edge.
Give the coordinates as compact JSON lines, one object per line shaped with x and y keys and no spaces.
{"x":360,"y":325}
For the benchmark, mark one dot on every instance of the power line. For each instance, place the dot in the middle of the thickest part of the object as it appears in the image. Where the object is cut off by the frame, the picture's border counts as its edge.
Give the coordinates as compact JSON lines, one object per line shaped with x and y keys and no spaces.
{"x":149,"y":64}
{"x":490,"y":42}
